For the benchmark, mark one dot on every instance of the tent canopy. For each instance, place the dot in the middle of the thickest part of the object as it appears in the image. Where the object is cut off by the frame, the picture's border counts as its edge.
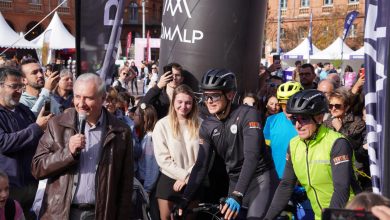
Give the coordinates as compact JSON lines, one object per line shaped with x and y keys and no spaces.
{"x":59,"y":36}
{"x":8,"y":37}
{"x":357,"y":55}
{"x":301,"y":51}
{"x":333,"y":51}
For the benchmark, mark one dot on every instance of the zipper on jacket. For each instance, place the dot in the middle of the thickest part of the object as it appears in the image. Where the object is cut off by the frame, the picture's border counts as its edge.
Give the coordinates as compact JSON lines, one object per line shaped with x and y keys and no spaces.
{"x":308,"y":174}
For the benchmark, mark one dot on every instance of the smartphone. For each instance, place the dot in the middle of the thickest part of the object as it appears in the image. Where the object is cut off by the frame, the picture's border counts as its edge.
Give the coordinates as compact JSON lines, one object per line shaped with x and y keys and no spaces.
{"x":47,"y":109}
{"x":57,"y":68}
{"x":167,"y":68}
{"x":361,"y":72}
{"x":336,"y":214}
{"x":276,"y":58}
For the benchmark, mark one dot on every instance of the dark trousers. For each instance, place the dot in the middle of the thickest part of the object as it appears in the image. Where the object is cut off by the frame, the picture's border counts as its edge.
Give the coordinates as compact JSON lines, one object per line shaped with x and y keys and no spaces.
{"x":25,"y":196}
{"x":134,"y":84}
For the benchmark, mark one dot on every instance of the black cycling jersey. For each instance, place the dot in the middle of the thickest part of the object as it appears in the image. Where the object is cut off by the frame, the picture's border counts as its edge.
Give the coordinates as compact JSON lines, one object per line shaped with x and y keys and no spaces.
{"x":239,"y":141}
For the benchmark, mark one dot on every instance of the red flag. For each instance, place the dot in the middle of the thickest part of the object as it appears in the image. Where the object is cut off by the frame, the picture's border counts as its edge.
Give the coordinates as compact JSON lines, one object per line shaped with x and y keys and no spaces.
{"x":147,"y":46}
{"x":128,"y":44}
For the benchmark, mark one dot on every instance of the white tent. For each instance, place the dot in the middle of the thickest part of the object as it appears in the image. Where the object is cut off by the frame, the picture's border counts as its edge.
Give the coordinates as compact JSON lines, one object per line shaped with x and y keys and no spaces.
{"x":301,"y":51}
{"x":60,"y":38}
{"x":357,"y":55}
{"x":333,"y":51}
{"x":9,"y":38}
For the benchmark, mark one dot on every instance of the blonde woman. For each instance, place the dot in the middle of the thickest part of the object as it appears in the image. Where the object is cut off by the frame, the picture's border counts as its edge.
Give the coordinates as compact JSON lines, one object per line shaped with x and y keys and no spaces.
{"x":176,"y":145}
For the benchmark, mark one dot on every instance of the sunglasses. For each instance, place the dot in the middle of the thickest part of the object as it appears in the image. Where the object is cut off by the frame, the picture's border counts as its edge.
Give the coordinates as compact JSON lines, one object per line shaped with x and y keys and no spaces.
{"x":212,"y":96}
{"x":301,"y":119}
{"x":337,"y":106}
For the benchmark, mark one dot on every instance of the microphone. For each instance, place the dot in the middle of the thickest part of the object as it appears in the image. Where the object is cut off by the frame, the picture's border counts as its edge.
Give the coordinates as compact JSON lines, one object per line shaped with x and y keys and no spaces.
{"x":82,"y":121}
{"x":81,"y":129}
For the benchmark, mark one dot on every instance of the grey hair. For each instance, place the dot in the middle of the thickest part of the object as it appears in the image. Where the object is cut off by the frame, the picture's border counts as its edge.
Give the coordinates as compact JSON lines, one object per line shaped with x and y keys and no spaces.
{"x":95,"y":78}
{"x":331,"y":81}
{"x":8,"y":71}
{"x":65,"y":72}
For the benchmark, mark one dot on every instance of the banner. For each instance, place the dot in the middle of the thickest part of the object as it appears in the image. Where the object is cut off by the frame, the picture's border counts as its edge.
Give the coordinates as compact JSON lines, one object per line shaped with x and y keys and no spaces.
{"x":348,"y":22}
{"x":310,"y":34}
{"x":128,"y":45}
{"x":98,"y":29}
{"x":376,"y":59}
{"x":201,"y":35}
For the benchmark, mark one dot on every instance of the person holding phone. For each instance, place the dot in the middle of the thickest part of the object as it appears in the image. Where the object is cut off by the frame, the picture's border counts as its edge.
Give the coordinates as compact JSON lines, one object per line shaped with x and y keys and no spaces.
{"x":160,"y":95}
{"x":20,"y":131}
{"x":318,"y":157}
{"x":37,"y":90}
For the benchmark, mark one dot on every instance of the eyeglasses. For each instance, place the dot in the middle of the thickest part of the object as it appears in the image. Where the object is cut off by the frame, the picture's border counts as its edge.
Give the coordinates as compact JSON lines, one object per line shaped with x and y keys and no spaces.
{"x":15,"y":86}
{"x":302,"y":119}
{"x":154,"y":68}
{"x":214,"y":97}
{"x":337,"y":106}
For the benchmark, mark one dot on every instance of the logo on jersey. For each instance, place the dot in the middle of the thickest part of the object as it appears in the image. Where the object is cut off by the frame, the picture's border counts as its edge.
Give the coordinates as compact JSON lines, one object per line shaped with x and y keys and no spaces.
{"x":216,"y":132}
{"x":340,"y":159}
{"x":254,"y":124}
{"x":233,"y":129}
{"x":201,"y":141}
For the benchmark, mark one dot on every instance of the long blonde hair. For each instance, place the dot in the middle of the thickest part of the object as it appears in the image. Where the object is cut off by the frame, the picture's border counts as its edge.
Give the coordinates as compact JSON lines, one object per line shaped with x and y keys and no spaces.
{"x":192,"y":119}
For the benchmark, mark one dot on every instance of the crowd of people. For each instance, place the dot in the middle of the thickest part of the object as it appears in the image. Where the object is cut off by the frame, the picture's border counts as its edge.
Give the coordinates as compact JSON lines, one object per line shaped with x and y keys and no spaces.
{"x":75,"y":148}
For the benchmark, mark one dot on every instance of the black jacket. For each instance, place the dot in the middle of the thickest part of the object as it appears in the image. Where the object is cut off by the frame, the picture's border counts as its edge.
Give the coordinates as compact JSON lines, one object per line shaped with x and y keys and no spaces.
{"x":159,"y":99}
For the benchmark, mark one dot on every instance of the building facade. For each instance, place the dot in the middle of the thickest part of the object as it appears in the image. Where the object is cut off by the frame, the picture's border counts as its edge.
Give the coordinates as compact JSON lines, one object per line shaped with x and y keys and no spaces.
{"x":328,"y":23}
{"x":132,"y":23}
{"x":22,"y":15}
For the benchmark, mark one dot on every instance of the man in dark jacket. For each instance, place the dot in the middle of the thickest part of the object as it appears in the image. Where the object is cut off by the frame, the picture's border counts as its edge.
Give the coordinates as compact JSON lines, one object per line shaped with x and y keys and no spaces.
{"x":89,"y":171}
{"x":160,"y":95}
{"x":19,"y":135}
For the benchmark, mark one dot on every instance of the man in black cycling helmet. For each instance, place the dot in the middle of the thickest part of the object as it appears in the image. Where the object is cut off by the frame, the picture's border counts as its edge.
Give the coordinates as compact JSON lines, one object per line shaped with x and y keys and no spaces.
{"x":234,"y":133}
{"x":319,"y":158}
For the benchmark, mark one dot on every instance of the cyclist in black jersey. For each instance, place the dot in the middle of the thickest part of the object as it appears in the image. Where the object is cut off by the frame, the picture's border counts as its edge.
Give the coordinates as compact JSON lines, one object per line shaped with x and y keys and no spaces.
{"x":234,"y":133}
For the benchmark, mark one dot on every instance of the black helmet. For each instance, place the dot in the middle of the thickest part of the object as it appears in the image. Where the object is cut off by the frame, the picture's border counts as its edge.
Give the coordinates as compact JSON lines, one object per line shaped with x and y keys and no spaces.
{"x":219,"y":79}
{"x":307,"y":102}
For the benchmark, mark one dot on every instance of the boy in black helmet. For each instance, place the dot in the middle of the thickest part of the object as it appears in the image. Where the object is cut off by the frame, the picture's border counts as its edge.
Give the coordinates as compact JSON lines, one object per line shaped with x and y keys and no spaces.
{"x":234,"y":133}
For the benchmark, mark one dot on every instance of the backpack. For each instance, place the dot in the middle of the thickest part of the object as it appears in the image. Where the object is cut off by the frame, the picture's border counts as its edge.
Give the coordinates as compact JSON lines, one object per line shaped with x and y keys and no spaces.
{"x":119,"y":87}
{"x":139,"y":202}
